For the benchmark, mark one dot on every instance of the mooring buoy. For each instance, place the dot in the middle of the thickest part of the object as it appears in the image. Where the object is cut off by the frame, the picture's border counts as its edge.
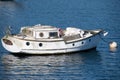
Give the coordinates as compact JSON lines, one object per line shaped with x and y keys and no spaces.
{"x":113,"y":44}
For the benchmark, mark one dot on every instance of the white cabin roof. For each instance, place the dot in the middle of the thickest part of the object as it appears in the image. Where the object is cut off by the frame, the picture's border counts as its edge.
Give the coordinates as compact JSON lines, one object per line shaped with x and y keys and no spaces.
{"x":41,"y":28}
{"x":44,"y":28}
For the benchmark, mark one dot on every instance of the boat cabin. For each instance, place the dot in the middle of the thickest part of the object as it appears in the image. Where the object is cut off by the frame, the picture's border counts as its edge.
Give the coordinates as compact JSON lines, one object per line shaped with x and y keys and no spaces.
{"x":41,"y":32}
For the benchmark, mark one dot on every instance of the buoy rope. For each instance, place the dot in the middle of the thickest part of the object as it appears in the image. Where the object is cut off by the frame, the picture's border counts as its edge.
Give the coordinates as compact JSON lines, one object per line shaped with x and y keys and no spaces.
{"x":103,"y":39}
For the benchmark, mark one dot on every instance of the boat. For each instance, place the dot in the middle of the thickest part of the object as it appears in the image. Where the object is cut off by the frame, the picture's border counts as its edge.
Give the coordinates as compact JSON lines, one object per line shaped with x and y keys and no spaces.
{"x":45,"y":39}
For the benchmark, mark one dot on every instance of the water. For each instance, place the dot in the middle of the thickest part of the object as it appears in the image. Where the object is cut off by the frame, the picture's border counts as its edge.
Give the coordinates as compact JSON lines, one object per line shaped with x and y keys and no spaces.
{"x":96,"y":64}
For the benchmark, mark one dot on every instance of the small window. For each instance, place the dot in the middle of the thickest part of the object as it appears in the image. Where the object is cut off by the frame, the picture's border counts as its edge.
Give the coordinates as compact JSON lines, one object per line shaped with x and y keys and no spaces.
{"x":53,"y":34}
{"x":40,"y":44}
{"x":73,"y":44}
{"x":27,"y":43}
{"x":8,"y":42}
{"x":41,"y":34}
{"x":26,"y":31}
{"x":82,"y":42}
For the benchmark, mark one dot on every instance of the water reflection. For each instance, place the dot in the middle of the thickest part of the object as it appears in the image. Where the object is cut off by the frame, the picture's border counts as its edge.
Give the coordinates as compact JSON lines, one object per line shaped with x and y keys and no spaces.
{"x":38,"y":65}
{"x":52,"y":66}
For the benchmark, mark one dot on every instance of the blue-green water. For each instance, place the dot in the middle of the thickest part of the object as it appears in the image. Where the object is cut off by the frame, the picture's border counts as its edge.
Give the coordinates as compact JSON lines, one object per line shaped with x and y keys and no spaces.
{"x":96,"y":64}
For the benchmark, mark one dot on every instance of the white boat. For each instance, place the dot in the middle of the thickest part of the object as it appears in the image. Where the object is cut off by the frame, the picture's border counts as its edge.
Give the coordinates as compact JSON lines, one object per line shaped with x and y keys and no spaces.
{"x":42,"y":39}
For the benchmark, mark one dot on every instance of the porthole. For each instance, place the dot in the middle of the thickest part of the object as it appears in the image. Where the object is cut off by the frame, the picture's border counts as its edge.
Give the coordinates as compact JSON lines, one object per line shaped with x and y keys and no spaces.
{"x":82,"y":42}
{"x":40,"y":44}
{"x":41,"y":34}
{"x":73,"y":44}
{"x":27,"y":43}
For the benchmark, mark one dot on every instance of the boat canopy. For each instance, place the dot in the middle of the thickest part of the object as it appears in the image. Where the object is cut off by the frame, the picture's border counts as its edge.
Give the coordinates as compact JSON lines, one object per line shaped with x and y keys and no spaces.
{"x":73,"y":31}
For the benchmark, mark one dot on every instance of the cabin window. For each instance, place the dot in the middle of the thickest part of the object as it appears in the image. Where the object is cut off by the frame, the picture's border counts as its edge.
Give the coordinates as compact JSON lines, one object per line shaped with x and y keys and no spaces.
{"x":40,"y":44}
{"x":53,"y":34}
{"x":27,"y":43}
{"x":41,"y":34}
{"x":26,"y":31}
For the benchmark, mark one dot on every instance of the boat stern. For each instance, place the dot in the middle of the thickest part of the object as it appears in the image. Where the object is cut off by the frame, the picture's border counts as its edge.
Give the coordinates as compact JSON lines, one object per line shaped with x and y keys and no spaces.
{"x":9,"y":45}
